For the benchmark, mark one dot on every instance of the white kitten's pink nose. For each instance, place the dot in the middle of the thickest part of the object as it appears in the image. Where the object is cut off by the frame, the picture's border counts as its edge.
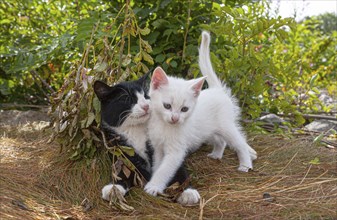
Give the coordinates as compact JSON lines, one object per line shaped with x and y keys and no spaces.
{"x":174,"y":119}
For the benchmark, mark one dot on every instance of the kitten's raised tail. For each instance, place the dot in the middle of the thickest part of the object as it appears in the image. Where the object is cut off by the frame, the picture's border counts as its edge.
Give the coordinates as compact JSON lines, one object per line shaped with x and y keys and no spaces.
{"x":205,"y":64}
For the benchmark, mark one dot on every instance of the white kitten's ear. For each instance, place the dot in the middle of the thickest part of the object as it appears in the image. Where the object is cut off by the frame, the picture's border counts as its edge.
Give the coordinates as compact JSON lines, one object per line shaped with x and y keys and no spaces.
{"x":159,"y":78}
{"x":197,"y":85}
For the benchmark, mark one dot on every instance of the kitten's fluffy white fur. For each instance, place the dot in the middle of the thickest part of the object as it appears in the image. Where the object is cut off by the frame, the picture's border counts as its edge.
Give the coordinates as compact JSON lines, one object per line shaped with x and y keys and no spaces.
{"x":184,"y":116}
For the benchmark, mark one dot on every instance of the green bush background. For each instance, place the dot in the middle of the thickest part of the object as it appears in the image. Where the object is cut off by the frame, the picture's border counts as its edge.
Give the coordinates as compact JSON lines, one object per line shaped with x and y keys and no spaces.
{"x":50,"y":49}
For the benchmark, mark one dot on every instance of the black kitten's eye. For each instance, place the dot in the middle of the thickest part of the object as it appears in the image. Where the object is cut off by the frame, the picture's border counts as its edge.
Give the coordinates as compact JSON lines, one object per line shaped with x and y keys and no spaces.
{"x":167,"y":106}
{"x":184,"y":109}
{"x":124,"y":98}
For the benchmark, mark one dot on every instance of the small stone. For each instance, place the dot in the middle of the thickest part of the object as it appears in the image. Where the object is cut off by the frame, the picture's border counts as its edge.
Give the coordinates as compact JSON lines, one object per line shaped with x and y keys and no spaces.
{"x":325,"y":98}
{"x":321,"y":125}
{"x":272,"y":118}
{"x":267,"y":197}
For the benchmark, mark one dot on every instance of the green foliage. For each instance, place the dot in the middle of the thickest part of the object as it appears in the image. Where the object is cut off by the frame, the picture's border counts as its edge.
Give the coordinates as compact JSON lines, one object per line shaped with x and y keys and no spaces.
{"x":272,"y":64}
{"x":327,"y":22}
{"x":243,"y":40}
{"x":315,"y":161}
{"x":280,"y":64}
{"x":39,"y":35}
{"x":108,"y":49}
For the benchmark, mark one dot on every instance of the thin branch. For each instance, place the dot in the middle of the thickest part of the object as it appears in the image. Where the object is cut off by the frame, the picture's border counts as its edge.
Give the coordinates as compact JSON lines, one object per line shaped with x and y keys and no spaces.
{"x":186,"y":30}
{"x":121,"y":48}
{"x":311,"y":116}
{"x":78,"y":73}
{"x":36,"y":75}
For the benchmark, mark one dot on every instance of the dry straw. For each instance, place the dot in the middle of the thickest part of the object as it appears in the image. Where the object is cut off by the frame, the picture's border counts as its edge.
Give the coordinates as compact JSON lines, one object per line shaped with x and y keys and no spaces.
{"x":288,"y":182}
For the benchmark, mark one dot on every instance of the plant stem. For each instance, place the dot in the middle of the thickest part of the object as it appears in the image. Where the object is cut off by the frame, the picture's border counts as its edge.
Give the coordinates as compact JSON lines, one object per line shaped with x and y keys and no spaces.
{"x":121,"y":48}
{"x":186,"y":30}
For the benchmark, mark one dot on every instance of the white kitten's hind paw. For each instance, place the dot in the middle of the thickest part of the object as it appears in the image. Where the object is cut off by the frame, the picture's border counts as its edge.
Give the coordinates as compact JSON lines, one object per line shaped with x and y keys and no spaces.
{"x":189,"y":197}
{"x":107,"y":190}
{"x":214,"y":156}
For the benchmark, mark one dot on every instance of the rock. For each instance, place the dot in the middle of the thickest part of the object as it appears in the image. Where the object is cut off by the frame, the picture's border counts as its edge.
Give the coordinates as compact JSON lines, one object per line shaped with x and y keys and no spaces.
{"x":272,"y":118}
{"x":325,"y":98}
{"x":321,"y":125}
{"x":328,"y":99}
{"x":267,"y":197}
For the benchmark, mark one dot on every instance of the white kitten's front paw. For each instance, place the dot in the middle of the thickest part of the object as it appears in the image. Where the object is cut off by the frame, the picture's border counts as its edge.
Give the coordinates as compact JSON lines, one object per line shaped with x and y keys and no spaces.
{"x":153,"y":189}
{"x":107,"y":190}
{"x":214,"y":156}
{"x":189,"y":197}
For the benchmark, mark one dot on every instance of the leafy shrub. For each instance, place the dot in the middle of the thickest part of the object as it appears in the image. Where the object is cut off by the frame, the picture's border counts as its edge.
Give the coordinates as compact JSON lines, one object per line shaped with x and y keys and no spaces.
{"x":272,"y":64}
{"x":108,"y":48}
{"x":277,"y":62}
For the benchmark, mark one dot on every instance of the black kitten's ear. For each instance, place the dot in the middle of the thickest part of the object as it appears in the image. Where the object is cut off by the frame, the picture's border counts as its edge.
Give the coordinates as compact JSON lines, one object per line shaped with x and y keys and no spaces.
{"x":102,"y":90}
{"x":142,"y":80}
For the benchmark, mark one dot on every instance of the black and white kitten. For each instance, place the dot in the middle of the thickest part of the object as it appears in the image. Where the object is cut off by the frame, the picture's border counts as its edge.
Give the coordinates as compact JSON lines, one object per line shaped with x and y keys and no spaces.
{"x":125,"y":111}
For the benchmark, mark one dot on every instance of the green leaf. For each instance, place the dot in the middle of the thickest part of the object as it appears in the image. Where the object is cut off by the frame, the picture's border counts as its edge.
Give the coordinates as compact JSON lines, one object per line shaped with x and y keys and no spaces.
{"x":315,"y":161}
{"x":299,"y":118}
{"x":74,"y":156}
{"x":167,"y":32}
{"x":283,"y":33}
{"x":160,"y":58}
{"x":174,"y":64}
{"x":126,"y":60}
{"x":138,"y":57}
{"x":147,"y":57}
{"x":318,"y":138}
{"x":146,"y":45}
{"x":100,"y":67}
{"x":128,"y":150}
{"x":313,"y":80}
{"x":5,"y":21}
{"x":191,"y":50}
{"x":260,"y":26}
{"x":159,"y":22}
{"x":144,"y":31}
{"x":97,"y":104}
{"x":228,"y":10}
{"x":91,"y":118}
{"x":144,"y":68}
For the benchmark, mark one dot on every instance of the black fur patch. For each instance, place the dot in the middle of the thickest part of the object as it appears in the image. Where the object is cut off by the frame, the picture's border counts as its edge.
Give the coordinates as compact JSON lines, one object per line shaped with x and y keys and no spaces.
{"x":117,"y":101}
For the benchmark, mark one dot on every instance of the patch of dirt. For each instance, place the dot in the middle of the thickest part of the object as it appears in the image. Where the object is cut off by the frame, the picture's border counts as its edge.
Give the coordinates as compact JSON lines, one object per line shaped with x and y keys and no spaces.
{"x":292,"y":179}
{"x":16,"y":117}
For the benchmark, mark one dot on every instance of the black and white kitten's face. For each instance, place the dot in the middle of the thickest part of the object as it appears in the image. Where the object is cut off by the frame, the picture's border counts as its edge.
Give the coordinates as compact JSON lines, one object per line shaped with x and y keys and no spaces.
{"x":125,"y":104}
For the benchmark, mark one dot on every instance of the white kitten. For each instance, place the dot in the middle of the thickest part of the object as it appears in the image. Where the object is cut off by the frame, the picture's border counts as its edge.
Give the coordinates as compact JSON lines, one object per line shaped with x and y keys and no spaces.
{"x":183,"y":117}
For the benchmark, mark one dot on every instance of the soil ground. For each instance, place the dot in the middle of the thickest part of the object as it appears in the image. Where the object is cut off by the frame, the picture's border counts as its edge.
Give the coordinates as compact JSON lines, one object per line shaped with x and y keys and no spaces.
{"x":292,"y":179}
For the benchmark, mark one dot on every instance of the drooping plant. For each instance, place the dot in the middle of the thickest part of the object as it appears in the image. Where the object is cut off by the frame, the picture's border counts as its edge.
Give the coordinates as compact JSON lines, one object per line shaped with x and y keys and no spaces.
{"x":107,"y":48}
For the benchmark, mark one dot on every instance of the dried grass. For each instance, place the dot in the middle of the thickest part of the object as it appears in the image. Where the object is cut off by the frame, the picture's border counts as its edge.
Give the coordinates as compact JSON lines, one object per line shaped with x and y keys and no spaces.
{"x":38,"y":182}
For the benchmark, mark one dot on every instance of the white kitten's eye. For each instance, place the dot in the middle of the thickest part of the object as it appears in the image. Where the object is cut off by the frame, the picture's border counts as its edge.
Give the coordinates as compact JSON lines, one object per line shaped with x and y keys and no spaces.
{"x":167,"y":106}
{"x":184,"y":109}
